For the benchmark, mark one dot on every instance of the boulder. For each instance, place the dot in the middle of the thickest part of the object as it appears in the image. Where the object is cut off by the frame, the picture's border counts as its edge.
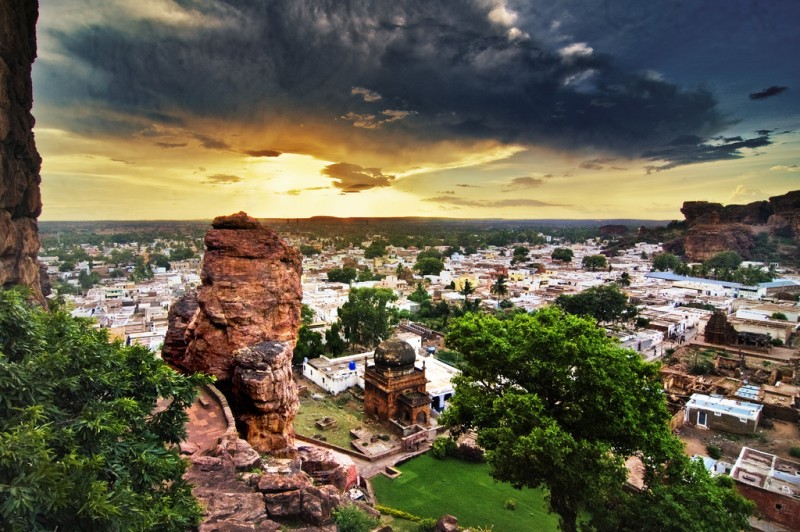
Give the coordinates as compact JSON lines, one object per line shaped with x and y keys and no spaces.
{"x":447,"y":523}
{"x":318,"y":504}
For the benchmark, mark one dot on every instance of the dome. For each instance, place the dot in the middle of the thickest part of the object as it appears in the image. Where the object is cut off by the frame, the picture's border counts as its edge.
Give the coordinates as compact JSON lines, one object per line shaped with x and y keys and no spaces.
{"x":395,"y":354}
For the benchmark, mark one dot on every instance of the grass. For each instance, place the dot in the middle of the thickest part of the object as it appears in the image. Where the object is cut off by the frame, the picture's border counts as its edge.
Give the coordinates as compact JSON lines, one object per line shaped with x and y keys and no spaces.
{"x":347,"y":412}
{"x":431,"y":488}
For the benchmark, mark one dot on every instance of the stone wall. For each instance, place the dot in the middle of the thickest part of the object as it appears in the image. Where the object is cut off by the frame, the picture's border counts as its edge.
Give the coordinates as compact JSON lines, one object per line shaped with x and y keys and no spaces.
{"x":20,"y":199}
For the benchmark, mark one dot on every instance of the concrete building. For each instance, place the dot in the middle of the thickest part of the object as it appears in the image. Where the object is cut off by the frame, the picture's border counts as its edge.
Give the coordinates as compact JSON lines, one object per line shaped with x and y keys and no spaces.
{"x":719,"y":413}
{"x":771,"y":482}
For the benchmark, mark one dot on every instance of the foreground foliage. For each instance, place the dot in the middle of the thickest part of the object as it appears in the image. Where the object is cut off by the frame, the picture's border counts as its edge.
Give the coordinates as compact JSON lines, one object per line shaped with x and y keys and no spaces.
{"x":80,"y":445}
{"x":557,"y":404}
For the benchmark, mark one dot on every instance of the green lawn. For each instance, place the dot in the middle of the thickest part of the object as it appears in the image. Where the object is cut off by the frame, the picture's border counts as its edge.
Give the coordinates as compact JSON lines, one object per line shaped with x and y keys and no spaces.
{"x":347,"y":412}
{"x":431,"y":488}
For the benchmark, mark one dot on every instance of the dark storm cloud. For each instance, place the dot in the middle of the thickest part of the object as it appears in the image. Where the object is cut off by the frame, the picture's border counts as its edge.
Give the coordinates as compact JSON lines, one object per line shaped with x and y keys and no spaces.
{"x":426,"y":71}
{"x":353,"y":178}
{"x":767,"y":93}
{"x":262,"y":153}
{"x":222,"y":179}
{"x":522,"y":183}
{"x":490,"y":204}
{"x":691,"y":149}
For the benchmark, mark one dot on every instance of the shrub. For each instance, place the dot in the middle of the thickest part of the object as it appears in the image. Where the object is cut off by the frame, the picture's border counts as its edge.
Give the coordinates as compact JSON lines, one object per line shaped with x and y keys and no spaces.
{"x":701,"y":367}
{"x":469,"y":453}
{"x":510,"y":504}
{"x":427,"y":524}
{"x":794,"y":451}
{"x":350,"y":519}
{"x":443,"y":447}
{"x":714,"y":451}
{"x":777,"y":342}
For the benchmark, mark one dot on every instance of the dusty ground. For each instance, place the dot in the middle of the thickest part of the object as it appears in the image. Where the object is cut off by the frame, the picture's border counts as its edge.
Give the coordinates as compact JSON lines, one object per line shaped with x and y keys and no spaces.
{"x":776,"y":440}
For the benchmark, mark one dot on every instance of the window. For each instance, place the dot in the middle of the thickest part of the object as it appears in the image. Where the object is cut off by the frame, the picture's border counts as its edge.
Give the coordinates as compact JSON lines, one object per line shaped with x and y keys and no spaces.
{"x":718,"y":414}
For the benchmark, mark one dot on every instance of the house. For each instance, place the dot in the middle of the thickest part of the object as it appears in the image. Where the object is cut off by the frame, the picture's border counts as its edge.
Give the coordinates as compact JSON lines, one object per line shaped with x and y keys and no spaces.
{"x":771,"y":482}
{"x":719,"y":413}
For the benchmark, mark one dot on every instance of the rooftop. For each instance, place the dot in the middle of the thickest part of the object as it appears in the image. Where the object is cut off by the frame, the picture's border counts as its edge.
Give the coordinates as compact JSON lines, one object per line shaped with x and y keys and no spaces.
{"x":717,"y":403}
{"x":768,"y":472}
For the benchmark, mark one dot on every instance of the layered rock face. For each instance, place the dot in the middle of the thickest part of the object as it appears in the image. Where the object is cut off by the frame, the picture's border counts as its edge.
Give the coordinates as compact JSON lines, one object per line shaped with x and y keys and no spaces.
{"x":242,"y":326}
{"x":706,"y":240}
{"x":714,"y":228}
{"x":20,"y":200}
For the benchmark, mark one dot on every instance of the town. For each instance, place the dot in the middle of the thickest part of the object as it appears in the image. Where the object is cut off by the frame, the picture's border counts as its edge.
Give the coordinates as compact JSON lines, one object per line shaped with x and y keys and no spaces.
{"x":730,"y":362}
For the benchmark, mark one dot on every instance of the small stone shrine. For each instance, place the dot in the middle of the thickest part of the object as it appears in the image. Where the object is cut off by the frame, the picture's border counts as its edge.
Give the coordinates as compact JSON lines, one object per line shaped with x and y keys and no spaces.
{"x":394,"y":388}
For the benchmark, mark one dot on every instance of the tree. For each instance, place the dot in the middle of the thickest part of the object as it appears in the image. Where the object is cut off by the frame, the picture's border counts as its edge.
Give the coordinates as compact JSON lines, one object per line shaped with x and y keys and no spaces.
{"x":333,"y":340}
{"x":499,"y":287}
{"x":520,"y":254}
{"x":594,"y":262}
{"x":419,"y":294}
{"x":429,"y":266}
{"x":344,"y":275}
{"x":376,"y":249}
{"x":557,"y":404}
{"x":624,"y":279}
{"x":724,"y":260}
{"x":141,"y":271}
{"x":605,"y":303}
{"x":81,"y":447}
{"x":158,"y":260}
{"x":88,"y":280}
{"x":403,"y":273}
{"x":309,"y":251}
{"x":309,"y":345}
{"x":430,"y":253}
{"x":365,"y":317}
{"x":779,"y":316}
{"x":562,"y":254}
{"x":366,"y":275}
{"x":665,"y":261}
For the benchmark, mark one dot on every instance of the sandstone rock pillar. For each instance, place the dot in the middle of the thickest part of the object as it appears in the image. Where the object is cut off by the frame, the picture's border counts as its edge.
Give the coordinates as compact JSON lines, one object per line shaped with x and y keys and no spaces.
{"x":20,"y":199}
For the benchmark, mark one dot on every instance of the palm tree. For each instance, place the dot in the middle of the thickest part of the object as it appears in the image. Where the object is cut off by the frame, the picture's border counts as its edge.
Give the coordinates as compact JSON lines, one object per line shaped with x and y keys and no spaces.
{"x":499,"y":287}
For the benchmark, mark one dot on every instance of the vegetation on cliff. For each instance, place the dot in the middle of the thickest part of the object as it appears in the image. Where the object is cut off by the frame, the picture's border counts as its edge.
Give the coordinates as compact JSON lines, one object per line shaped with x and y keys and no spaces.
{"x":83,"y":443}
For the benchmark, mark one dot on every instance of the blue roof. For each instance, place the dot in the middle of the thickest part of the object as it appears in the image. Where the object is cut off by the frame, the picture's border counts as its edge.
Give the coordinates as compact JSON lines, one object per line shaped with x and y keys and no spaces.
{"x":778,"y":283}
{"x":669,"y":276}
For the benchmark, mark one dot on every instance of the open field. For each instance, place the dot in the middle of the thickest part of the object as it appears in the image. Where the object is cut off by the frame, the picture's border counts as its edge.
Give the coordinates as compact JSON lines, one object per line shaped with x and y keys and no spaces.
{"x":431,"y":488}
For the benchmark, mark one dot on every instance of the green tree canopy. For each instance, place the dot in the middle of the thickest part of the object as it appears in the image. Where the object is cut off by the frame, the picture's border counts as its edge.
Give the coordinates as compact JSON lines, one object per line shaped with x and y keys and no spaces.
{"x":333,"y":340}
{"x":365,"y":317}
{"x":605,"y":303}
{"x":80,"y":445}
{"x":309,"y":345}
{"x":557,"y":404}
{"x":724,"y":260}
{"x":419,"y":294}
{"x":376,"y":249}
{"x":520,"y":254}
{"x":309,"y":251}
{"x":594,"y":262}
{"x":344,"y":275}
{"x":429,"y":266}
{"x":430,"y":253}
{"x":562,"y":254}
{"x":499,"y":287}
{"x":665,"y":261}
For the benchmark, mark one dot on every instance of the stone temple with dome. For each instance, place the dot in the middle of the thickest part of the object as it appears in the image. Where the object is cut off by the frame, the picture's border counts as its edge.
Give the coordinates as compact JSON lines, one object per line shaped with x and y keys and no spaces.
{"x":394,"y":388}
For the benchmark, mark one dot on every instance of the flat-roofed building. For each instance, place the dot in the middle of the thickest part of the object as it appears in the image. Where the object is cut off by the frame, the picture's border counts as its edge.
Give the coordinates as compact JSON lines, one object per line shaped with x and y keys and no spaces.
{"x":773,"y":483}
{"x":720,"y":413}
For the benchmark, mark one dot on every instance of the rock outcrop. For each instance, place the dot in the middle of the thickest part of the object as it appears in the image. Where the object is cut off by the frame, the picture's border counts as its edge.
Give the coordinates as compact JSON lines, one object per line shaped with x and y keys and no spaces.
{"x":242,"y":325}
{"x":706,"y":240}
{"x":714,"y":227}
{"x":241,"y":491}
{"x":20,"y":199}
{"x":265,"y":395}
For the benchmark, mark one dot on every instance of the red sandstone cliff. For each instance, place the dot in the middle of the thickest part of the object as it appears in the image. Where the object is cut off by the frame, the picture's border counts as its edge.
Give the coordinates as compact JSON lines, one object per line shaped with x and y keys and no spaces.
{"x":243,"y":326}
{"x":20,"y":200}
{"x":714,"y":228}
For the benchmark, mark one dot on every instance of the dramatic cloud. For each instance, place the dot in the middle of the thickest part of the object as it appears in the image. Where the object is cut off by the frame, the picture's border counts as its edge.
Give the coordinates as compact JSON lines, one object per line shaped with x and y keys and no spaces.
{"x":353,"y":178}
{"x":786,"y":168}
{"x":465,"y":70}
{"x":490,"y":204}
{"x":744,"y":195}
{"x":523,"y":183}
{"x":223,"y":179}
{"x":366,"y":94}
{"x":767,"y":93}
{"x":691,"y":149}
{"x":262,"y":153}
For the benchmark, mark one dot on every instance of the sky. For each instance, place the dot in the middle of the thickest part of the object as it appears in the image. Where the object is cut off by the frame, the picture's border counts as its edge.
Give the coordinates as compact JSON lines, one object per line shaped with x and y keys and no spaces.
{"x":570,"y":109}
